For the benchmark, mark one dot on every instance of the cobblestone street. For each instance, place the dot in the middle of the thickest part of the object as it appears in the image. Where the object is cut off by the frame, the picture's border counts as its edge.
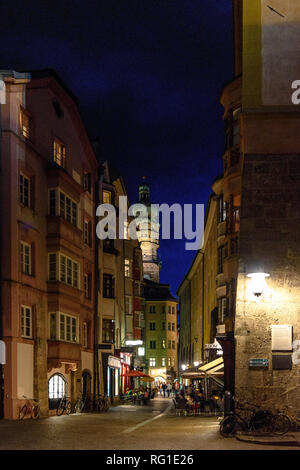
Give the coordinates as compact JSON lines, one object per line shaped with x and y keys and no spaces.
{"x":123,"y":428}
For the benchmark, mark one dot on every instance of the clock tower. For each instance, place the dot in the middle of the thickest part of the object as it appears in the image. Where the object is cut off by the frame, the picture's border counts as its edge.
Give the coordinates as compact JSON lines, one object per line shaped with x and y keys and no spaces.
{"x":149,"y":245}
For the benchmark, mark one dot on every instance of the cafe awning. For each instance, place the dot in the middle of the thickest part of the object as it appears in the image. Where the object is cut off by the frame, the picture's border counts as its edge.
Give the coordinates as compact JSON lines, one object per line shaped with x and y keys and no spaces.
{"x":134,"y":373}
{"x":210,"y":369}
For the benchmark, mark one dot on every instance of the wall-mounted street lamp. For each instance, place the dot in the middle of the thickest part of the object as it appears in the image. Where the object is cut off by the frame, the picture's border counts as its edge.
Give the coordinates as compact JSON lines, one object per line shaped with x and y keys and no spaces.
{"x":258,"y":282}
{"x":196,"y":363}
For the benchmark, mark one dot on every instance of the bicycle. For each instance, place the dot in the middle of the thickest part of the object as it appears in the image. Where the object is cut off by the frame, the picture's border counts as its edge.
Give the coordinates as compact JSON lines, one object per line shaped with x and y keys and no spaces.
{"x":285,"y":421}
{"x":259,"y":421}
{"x":64,"y":405}
{"x":31,"y":407}
{"x":102,"y":403}
{"x":83,"y":404}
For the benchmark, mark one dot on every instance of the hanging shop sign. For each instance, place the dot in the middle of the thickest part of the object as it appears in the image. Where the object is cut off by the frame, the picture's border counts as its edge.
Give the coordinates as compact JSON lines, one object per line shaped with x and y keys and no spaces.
{"x":214,"y":345}
{"x":114,"y":362}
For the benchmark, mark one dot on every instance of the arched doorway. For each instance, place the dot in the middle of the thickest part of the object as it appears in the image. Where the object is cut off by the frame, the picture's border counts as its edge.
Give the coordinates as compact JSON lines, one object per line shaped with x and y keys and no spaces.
{"x":57,"y":388}
{"x":86,"y":384}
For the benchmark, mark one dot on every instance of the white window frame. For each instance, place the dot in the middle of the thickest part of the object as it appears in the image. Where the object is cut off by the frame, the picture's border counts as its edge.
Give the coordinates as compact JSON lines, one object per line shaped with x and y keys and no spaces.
{"x":22,"y":191}
{"x":24,"y":310}
{"x":163,"y":362}
{"x":23,"y":262}
{"x":152,"y":362}
{"x":58,"y":213}
{"x":59,"y":273}
{"x":64,"y":337}
{"x":127,"y":267}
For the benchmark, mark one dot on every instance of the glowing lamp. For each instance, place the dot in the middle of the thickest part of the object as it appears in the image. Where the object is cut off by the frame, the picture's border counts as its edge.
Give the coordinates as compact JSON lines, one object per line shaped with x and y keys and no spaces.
{"x":196,"y":364}
{"x":183,"y":367}
{"x":258,"y":282}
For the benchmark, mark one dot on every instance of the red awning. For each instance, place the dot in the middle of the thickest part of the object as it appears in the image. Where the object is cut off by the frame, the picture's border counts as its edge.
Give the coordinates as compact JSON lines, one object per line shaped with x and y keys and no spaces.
{"x":134,"y":373}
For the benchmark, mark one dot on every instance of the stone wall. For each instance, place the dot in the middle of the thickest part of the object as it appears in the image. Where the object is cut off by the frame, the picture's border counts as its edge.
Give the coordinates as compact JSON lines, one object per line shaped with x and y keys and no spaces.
{"x":269,"y":242}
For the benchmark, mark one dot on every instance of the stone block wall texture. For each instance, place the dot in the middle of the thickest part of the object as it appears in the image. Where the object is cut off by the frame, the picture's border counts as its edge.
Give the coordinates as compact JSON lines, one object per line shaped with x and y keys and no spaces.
{"x":269,"y":241}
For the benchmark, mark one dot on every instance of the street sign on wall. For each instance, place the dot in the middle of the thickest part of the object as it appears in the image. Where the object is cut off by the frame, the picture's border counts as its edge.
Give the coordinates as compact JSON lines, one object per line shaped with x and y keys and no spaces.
{"x":259,"y":363}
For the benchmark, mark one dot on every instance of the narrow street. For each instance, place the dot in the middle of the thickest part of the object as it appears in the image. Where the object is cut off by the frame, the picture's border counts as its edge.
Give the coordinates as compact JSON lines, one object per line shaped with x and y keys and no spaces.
{"x":127,"y":427}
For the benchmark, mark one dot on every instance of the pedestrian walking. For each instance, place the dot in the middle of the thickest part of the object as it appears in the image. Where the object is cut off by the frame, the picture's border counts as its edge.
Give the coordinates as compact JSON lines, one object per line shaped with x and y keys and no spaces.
{"x":164,"y":387}
{"x":169,"y":388}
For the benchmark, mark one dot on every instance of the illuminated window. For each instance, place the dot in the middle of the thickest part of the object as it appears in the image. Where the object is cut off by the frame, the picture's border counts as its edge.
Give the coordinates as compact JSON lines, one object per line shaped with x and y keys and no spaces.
{"x":25,"y":124}
{"x":222,"y":209}
{"x":57,"y":386}
{"x":67,"y":328}
{"x":108,"y":330}
{"x":24,"y":190}
{"x":169,"y":362}
{"x":26,"y":322}
{"x":59,"y":153}
{"x":127,"y":267}
{"x":163,"y":344}
{"x":163,"y":361}
{"x":152,"y":361}
{"x":106,"y":197}
{"x":26,"y":267}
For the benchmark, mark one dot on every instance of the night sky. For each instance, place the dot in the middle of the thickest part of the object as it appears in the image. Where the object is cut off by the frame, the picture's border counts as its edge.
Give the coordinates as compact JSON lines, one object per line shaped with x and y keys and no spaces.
{"x":148,"y":74}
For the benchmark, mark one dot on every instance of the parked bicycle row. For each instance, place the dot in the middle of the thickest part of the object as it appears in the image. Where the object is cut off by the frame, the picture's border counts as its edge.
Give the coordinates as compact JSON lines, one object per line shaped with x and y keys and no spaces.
{"x":255,"y":419}
{"x":31,"y":408}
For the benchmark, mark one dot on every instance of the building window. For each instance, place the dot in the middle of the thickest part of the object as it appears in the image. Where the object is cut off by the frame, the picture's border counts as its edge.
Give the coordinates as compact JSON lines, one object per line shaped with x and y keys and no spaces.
{"x":67,"y":209}
{"x":152,"y":361}
{"x":169,"y":309}
{"x":106,"y":197}
{"x":236,"y":126}
{"x":173,"y":326}
{"x":222,"y":308}
{"x":163,"y":326}
{"x":152,"y":326}
{"x":173,"y":310}
{"x":152,"y":344}
{"x":173,"y":361}
{"x":108,"y":286}
{"x":127,"y":267}
{"x":59,"y":153}
{"x":222,"y":209}
{"x":26,"y":267}
{"x":169,"y":326}
{"x":169,"y":362}
{"x":128,"y":303}
{"x":25,"y":124}
{"x":57,"y":386}
{"x":152,"y":309}
{"x":221,"y":256}
{"x":26,"y":322}
{"x":87,"y":286}
{"x":87,"y":182}
{"x":84,"y":335}
{"x":52,"y":202}
{"x":169,"y":344}
{"x":53,"y":326}
{"x":67,"y":328}
{"x":24,"y":188}
{"x":163,"y":362}
{"x":68,"y":269}
{"x":163,"y":309}
{"x":87,"y":232}
{"x":163,"y":344}
{"x":173,"y":344}
{"x":108,"y":330}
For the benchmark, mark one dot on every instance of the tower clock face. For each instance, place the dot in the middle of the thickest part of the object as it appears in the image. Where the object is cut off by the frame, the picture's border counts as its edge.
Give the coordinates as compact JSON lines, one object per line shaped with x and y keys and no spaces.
{"x":280,"y":39}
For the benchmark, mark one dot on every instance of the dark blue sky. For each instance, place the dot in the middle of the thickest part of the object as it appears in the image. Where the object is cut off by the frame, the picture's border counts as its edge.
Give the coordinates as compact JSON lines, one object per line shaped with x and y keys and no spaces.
{"x":148,"y":74}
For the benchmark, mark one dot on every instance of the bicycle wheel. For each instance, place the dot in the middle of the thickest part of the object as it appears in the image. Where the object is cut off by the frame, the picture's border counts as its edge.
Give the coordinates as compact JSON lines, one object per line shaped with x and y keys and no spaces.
{"x":23,"y":412}
{"x":262,"y":422}
{"x":281,"y":424}
{"x":60,"y":408}
{"x":78,"y":406}
{"x":227,"y":426}
{"x":68,"y":407}
{"x":35,"y":413}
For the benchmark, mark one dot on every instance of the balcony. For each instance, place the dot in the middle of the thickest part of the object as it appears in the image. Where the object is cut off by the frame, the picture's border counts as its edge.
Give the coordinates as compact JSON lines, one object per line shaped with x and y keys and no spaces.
{"x":60,"y":352}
